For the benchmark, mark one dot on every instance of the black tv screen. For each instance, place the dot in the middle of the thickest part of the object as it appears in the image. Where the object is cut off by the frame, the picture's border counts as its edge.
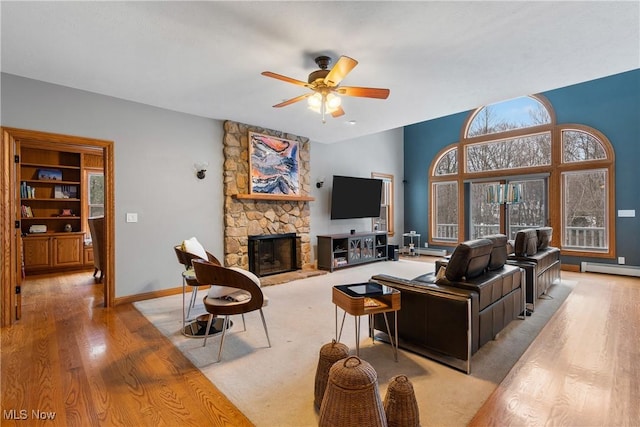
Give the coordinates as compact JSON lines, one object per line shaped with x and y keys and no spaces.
{"x":355,"y":197}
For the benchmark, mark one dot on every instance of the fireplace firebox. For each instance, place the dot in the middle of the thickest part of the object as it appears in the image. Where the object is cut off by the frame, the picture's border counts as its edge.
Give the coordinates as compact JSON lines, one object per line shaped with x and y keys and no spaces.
{"x":273,"y":253}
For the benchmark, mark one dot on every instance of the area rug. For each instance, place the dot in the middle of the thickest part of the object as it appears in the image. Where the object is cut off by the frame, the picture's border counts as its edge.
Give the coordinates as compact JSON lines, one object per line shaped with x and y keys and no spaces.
{"x":275,"y":386}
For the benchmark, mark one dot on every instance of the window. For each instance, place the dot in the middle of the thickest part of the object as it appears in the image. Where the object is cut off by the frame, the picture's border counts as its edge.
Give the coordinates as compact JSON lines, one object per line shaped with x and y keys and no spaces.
{"x":522,"y":152}
{"x":95,"y":195}
{"x":385,"y":221}
{"x":445,"y":218}
{"x":447,"y":164}
{"x":578,"y":146}
{"x":485,"y":215}
{"x":565,"y":172}
{"x":518,"y":113}
{"x":585,"y":210}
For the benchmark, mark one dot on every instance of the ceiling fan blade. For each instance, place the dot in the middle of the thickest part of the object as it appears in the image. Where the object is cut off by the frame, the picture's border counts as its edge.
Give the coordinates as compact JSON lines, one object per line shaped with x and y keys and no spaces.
{"x":340,"y":70}
{"x":293,"y":100}
{"x":284,"y":78}
{"x":364,"y":92}
{"x":338,"y":112}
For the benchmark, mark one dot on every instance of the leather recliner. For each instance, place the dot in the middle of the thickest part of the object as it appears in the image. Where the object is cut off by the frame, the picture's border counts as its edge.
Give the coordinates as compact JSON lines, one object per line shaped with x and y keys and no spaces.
{"x":453,"y":316}
{"x":541,"y":262}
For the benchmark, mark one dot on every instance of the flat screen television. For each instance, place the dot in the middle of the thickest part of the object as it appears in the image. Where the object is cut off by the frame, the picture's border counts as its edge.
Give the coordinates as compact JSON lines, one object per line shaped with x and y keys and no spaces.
{"x":353,"y":197}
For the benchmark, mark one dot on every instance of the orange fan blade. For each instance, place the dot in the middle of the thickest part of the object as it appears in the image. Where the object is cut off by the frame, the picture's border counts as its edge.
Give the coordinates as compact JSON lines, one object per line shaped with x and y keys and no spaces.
{"x":293,"y":100}
{"x":284,"y":78}
{"x":337,"y":113}
{"x":340,"y":71}
{"x":364,"y":92}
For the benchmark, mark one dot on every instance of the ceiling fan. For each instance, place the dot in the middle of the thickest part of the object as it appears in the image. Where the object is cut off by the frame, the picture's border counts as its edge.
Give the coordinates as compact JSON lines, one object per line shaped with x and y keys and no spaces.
{"x":325,"y":86}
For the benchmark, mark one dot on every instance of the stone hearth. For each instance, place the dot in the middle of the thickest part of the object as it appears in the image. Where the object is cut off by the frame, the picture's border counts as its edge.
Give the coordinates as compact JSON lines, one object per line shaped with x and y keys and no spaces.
{"x":245,"y":217}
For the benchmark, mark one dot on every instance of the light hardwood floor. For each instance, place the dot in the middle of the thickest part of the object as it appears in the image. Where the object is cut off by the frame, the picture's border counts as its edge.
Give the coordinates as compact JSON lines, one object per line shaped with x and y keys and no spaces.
{"x":99,"y":367}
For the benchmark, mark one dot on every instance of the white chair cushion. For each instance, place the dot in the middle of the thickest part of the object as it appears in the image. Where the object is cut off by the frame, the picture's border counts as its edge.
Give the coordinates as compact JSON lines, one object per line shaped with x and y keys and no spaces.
{"x":194,"y":247}
{"x":223,"y":291}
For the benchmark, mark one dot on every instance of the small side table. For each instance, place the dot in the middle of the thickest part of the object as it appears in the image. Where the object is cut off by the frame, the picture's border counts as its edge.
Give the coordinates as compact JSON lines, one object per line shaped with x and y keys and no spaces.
{"x":411,"y":236}
{"x":194,"y":328}
{"x":367,"y":298}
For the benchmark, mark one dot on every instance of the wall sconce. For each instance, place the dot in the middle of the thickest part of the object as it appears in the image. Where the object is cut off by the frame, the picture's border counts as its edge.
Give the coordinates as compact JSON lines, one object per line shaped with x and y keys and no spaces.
{"x":201,"y":169}
{"x":320,"y":182}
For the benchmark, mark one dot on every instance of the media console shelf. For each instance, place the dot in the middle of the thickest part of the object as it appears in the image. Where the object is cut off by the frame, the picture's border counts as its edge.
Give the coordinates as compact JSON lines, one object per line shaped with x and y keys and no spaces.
{"x":346,"y":250}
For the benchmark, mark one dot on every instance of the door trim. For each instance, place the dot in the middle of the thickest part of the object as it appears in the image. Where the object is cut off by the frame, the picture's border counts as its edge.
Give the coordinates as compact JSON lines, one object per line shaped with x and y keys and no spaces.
{"x":8,"y":194}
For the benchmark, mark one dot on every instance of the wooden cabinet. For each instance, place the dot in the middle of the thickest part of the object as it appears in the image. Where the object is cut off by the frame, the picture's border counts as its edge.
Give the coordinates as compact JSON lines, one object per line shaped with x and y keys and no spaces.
{"x":88,"y":256}
{"x":345,"y":250}
{"x":53,"y":251}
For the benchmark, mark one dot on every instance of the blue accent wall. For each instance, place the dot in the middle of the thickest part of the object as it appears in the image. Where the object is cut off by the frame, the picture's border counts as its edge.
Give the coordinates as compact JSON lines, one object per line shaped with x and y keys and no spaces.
{"x":609,"y":104}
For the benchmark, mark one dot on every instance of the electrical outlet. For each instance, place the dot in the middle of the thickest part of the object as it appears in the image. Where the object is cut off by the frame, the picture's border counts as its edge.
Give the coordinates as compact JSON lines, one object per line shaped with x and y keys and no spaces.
{"x":621,"y":260}
{"x":426,"y":245}
{"x":132,"y":217}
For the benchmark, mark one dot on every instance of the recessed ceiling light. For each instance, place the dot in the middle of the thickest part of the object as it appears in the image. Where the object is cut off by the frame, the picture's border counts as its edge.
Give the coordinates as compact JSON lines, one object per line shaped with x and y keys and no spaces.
{"x":351,"y":122}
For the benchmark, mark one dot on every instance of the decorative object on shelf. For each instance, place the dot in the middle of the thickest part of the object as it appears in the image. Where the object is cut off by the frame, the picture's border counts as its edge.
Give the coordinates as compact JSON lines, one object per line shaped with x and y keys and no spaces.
{"x":26,"y":191}
{"x":66,"y":212}
{"x":68,"y":228}
{"x":50,"y":174}
{"x":26,"y":211}
{"x":273,"y":165}
{"x":65,"y":192}
{"x":201,"y":169}
{"x":504,"y":193}
{"x":38,"y":228}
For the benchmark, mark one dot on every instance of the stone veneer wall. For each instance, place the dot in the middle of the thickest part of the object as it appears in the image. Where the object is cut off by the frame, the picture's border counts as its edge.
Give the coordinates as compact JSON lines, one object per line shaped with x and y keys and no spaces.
{"x":242,"y":217}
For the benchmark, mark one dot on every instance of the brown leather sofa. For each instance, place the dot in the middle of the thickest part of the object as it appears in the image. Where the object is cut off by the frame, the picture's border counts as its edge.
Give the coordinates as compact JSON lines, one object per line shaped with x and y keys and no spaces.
{"x":449,"y":318}
{"x":541,"y":262}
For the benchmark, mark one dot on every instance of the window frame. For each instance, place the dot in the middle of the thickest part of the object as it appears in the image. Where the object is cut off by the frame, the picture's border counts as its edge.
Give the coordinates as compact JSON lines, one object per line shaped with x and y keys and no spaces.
{"x":385,"y":177}
{"x":554,"y":172}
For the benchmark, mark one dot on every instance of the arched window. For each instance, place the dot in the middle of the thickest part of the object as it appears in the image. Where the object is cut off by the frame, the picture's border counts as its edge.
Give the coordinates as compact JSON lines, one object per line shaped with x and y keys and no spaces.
{"x":563,"y":173}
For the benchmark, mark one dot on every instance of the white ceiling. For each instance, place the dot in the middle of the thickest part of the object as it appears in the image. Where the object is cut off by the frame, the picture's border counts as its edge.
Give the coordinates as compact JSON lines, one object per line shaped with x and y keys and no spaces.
{"x":205,"y":58}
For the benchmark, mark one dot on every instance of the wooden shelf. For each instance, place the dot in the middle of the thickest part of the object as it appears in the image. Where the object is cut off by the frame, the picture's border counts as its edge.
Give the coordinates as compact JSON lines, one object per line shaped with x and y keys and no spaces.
{"x":280,"y":197}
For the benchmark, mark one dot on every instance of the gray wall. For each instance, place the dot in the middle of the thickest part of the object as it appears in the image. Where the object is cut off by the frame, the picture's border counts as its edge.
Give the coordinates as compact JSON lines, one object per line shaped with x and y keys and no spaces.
{"x":382,"y":153}
{"x":155,"y":150}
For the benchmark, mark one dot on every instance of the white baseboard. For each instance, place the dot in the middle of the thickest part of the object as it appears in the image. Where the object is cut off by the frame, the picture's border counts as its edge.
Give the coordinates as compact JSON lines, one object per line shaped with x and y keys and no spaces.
{"x":598,"y":267}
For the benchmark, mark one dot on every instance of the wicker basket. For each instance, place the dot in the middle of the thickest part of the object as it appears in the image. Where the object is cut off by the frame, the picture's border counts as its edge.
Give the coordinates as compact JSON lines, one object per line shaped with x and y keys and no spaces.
{"x":329,"y":354}
{"x":352,"y":398}
{"x":400,"y":403}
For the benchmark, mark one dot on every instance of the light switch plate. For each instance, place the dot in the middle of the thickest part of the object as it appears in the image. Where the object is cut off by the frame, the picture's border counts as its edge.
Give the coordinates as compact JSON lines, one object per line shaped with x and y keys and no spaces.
{"x":132,"y":217}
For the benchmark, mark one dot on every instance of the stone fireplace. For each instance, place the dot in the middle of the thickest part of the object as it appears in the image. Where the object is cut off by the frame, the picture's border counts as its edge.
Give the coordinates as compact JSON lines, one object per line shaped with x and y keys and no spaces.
{"x":245,"y":216}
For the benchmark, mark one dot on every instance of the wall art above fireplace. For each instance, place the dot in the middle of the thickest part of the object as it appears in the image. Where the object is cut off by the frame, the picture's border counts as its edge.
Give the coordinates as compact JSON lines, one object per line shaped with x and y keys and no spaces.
{"x":273,"y":165}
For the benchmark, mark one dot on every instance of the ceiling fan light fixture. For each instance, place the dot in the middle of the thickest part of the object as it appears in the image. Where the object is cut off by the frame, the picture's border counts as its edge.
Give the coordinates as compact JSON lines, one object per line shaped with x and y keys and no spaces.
{"x":333,"y":102}
{"x":315,"y":102}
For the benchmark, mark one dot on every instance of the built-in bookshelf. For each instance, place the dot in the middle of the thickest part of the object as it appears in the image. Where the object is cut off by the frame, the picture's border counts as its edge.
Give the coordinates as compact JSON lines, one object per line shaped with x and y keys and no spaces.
{"x":51,"y":207}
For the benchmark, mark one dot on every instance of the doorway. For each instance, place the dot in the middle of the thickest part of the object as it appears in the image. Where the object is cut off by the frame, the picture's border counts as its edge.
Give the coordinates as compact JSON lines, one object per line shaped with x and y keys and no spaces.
{"x":10,"y":223}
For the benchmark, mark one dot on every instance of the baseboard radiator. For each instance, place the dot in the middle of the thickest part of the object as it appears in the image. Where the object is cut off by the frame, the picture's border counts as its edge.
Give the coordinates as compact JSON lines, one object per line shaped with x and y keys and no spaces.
{"x":598,"y":267}
{"x":432,"y":252}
